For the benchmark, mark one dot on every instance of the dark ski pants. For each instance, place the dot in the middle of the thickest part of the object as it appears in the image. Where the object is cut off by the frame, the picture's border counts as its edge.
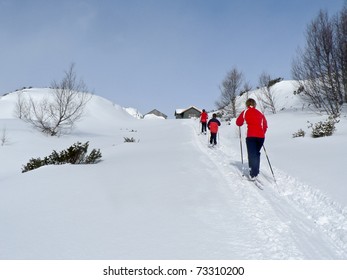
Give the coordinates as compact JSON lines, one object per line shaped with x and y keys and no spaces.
{"x":254,"y":145}
{"x":203,"y":127}
{"x":213,"y":139}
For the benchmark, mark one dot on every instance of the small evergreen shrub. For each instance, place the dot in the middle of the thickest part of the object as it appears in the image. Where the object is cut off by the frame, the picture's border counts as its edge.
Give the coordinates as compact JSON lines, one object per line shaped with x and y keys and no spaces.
{"x":33,"y":164}
{"x":299,"y":133}
{"x":93,"y":157}
{"x":274,"y":81}
{"x":76,"y":154}
{"x":325,"y":128}
{"x":129,"y":140}
{"x":299,"y":90}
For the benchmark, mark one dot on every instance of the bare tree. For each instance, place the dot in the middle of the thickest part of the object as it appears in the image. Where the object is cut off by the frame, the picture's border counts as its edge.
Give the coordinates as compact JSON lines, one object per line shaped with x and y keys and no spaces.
{"x":320,"y":67}
{"x":58,"y":114}
{"x":230,"y":89}
{"x":20,"y":105}
{"x":246,"y":89}
{"x":340,"y":22}
{"x":267,"y":97}
{"x":244,"y":95}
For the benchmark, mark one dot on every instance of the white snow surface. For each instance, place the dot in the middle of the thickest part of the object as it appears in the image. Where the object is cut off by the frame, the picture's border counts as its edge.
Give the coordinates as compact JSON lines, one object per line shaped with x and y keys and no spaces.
{"x":168,"y":195}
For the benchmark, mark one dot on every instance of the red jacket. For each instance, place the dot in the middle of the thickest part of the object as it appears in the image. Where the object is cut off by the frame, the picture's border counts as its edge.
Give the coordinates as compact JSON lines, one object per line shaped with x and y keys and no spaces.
{"x":203,"y":117}
{"x":213,"y":125}
{"x":256,"y":122}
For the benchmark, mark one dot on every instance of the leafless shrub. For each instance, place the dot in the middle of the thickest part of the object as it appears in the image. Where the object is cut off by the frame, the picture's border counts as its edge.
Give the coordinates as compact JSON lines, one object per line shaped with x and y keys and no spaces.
{"x":267,"y":97}
{"x":321,"y":68}
{"x":4,"y":137}
{"x":56,"y":115}
{"x":230,"y":90}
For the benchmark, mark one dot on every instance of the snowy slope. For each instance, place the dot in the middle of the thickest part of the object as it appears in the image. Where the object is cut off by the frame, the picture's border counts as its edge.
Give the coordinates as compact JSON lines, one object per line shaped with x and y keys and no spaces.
{"x":169,"y":196}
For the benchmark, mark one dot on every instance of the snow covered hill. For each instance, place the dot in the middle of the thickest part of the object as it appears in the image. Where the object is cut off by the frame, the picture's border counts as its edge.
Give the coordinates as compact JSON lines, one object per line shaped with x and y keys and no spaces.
{"x":168,"y":195}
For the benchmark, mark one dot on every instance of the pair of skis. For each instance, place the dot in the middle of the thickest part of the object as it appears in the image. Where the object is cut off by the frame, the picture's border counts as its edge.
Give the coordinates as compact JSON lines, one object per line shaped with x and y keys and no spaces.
{"x":255,"y":181}
{"x":212,"y":146}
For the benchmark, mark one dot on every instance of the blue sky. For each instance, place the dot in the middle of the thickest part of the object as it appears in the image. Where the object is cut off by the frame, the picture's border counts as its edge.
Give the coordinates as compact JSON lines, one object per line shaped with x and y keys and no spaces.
{"x":148,"y":54}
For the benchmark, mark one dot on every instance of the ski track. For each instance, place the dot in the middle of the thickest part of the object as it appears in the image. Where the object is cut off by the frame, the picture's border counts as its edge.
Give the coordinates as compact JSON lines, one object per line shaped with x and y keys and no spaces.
{"x":312,"y":213}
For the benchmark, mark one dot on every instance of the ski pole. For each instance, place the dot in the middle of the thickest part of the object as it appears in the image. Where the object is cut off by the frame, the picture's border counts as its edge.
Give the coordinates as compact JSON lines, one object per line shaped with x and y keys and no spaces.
{"x":242,"y":168}
{"x":273,"y":175}
{"x":241,"y":145}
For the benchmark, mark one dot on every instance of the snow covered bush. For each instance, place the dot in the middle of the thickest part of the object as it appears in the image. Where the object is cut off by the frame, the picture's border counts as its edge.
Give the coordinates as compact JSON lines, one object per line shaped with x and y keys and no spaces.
{"x":75,"y":154}
{"x":325,"y":128}
{"x":299,"y":133}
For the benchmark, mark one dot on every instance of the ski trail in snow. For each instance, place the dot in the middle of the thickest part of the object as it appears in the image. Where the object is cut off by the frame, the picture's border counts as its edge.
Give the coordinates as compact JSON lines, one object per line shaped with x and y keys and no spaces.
{"x":312,"y":218}
{"x":265,"y":236}
{"x":325,"y":214}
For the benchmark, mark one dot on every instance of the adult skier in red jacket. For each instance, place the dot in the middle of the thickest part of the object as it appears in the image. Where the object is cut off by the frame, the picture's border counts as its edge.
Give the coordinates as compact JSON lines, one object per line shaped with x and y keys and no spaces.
{"x":203,"y":120}
{"x":256,"y":129}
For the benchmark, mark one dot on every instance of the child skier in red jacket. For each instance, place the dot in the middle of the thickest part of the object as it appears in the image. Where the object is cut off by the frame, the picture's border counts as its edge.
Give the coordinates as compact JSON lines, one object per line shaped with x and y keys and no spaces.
{"x":256,"y":129}
{"x":203,"y":120}
{"x":213,"y":125}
